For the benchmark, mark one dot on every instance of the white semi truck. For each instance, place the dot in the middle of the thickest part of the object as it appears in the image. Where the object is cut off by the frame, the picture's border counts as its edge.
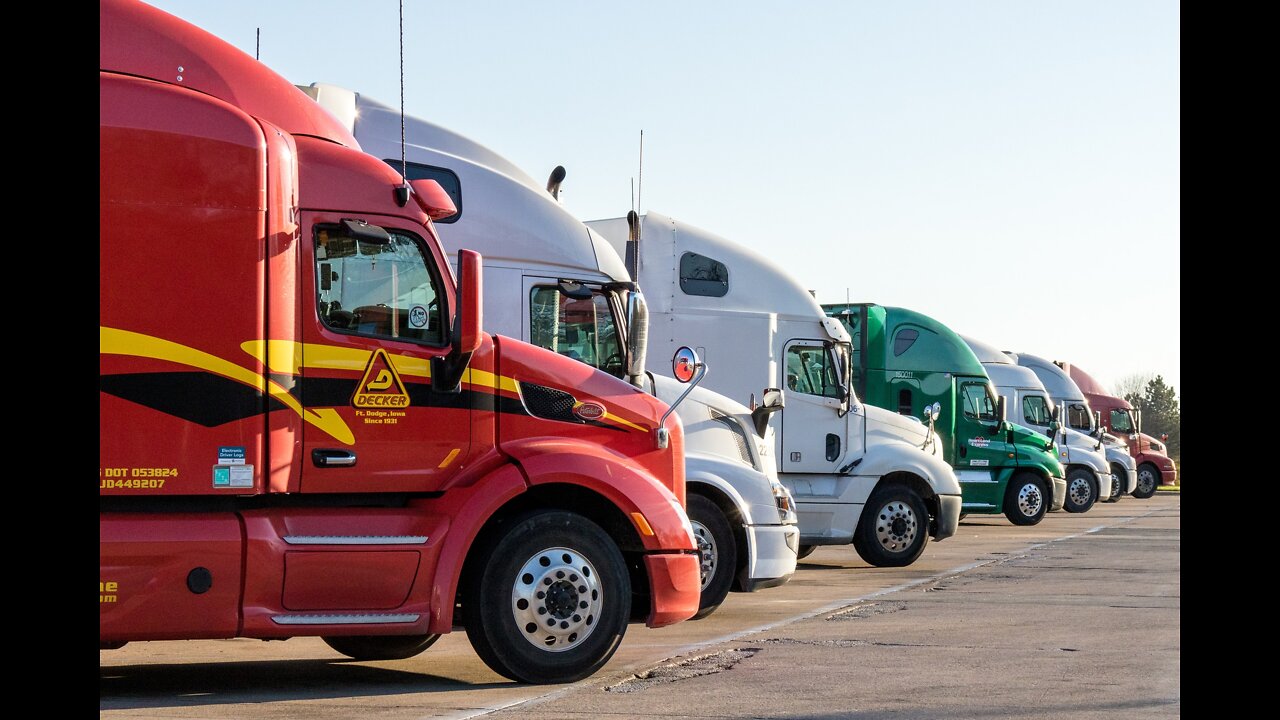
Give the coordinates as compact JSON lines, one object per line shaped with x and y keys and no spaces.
{"x":860,"y":474}
{"x":550,"y":281}
{"x":1029,"y":404}
{"x":1082,"y":418}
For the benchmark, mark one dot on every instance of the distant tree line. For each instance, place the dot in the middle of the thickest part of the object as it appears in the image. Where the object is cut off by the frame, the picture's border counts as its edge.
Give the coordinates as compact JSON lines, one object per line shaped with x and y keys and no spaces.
{"x":1159,"y":404}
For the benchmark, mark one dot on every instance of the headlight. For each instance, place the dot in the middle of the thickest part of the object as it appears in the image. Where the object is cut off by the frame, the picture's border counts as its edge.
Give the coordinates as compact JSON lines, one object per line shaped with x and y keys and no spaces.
{"x":786,"y":504}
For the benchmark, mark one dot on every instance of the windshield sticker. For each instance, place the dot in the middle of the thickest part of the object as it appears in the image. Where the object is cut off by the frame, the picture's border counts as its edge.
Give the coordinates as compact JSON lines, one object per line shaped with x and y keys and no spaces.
{"x":418,"y":316}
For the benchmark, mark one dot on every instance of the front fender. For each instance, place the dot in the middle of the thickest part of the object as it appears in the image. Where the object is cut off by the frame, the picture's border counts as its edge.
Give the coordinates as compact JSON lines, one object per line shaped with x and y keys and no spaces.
{"x":748,"y":489}
{"x":625,"y":484}
{"x":891,"y":456}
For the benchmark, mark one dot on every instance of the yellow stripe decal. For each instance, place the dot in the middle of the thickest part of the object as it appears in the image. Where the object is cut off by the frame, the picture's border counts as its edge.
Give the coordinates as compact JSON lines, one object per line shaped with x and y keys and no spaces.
{"x":449,"y":458}
{"x":288,"y":357}
{"x":123,"y":342}
{"x":620,"y":421}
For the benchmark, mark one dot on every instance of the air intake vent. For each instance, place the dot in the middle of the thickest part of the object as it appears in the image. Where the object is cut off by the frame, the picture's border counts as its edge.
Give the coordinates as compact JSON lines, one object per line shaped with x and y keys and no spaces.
{"x":548,"y":403}
{"x":739,"y":435}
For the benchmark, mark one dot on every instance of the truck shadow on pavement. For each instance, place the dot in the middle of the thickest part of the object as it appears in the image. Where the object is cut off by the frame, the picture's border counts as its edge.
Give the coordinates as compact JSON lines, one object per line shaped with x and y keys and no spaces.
{"x":126,"y":687}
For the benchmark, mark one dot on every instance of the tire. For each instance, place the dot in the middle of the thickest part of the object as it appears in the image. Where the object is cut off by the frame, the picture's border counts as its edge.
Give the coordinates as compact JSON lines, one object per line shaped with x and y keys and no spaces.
{"x":962,"y":516}
{"x":805,"y":551}
{"x":894,"y":527}
{"x":380,"y":647}
{"x":718,"y":550}
{"x":1082,"y":491}
{"x":1026,"y":499}
{"x":579,"y":565}
{"x":1148,"y":481}
{"x":1117,"y":487}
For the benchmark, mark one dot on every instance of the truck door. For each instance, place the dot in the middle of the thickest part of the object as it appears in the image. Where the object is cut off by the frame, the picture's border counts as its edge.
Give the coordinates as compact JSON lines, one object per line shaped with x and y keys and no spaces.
{"x":981,"y":449}
{"x":374,"y":317}
{"x":813,"y":433}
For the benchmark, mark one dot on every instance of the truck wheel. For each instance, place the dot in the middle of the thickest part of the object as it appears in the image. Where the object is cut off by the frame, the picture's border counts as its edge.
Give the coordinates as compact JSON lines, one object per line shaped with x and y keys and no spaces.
{"x":1081,"y":493}
{"x":894,"y":527}
{"x":380,"y":647}
{"x":553,"y":615}
{"x":1148,"y":481}
{"x":1026,"y":499}
{"x":1117,"y":485}
{"x":718,"y":551}
{"x":805,"y":551}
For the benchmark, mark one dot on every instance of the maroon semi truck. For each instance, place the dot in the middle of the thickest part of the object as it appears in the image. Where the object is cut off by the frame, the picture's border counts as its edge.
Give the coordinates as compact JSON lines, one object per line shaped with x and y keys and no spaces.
{"x":1155,"y":467}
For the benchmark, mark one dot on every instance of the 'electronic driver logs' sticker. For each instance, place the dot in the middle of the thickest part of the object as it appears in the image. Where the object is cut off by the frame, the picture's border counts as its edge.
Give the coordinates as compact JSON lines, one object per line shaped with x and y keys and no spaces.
{"x":380,"y":387}
{"x":233,"y":476}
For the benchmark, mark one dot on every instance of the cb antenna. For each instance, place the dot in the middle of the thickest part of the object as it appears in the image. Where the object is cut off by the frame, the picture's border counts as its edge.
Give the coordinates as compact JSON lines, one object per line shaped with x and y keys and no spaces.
{"x":402,"y":192}
{"x":640,"y":185}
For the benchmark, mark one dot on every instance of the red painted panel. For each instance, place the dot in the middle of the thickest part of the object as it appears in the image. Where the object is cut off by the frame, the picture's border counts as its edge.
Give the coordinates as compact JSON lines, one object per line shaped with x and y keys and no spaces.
{"x":675,"y":584}
{"x":144,"y":563}
{"x":348,"y":580}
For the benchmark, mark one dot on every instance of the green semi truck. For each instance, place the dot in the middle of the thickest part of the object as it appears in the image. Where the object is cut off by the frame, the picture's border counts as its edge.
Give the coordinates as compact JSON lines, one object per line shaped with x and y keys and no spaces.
{"x":914,"y":365}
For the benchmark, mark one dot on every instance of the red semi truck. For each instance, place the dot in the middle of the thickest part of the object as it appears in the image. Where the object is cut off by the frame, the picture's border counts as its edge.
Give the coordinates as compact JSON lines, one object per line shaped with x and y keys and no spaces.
{"x":304,"y":429}
{"x":1119,"y":418}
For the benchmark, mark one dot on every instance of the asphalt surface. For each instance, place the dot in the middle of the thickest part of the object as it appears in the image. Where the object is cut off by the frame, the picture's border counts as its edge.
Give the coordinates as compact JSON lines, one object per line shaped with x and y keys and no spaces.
{"x":1077,"y":617}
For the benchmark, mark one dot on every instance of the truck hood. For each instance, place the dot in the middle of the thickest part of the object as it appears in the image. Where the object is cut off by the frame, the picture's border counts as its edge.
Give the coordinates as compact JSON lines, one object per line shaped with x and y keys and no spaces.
{"x":1028,"y":438}
{"x":715,"y":424}
{"x":906,"y":427}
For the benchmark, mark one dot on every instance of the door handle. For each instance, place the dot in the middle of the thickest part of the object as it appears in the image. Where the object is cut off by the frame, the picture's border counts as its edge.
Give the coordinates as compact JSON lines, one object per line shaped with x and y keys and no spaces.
{"x":333,"y":458}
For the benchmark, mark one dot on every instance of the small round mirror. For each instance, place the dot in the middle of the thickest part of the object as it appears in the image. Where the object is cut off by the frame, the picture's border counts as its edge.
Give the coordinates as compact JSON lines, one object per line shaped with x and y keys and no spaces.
{"x":684,"y":364}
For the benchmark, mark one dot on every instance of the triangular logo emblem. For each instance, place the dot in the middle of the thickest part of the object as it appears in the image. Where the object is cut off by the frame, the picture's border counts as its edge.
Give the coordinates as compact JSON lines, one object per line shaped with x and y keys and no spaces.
{"x":380,"y":387}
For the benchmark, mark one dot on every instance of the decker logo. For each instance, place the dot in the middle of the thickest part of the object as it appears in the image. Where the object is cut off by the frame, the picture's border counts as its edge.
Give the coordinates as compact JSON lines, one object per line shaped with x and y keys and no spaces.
{"x":589,"y":411}
{"x":380,"y":387}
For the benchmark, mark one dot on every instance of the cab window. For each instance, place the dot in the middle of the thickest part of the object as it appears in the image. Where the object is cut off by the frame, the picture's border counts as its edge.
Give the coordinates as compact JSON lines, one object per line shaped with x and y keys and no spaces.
{"x":1120,"y":421}
{"x":1035,"y":410}
{"x":1078,"y":417}
{"x":979,"y":404}
{"x":813,"y":370}
{"x":583,"y":329}
{"x":382,"y":290}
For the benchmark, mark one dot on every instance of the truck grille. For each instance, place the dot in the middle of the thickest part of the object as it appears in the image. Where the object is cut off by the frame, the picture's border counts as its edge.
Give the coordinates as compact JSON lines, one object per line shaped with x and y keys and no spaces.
{"x":548,"y":403}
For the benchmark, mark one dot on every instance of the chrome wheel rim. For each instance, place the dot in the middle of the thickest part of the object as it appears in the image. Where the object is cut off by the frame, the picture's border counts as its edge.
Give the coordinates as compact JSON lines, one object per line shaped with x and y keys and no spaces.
{"x":896,"y":526}
{"x":1115,"y":485}
{"x":1146,"y":480}
{"x":1080,"y":491}
{"x":1030,"y":499}
{"x":707,"y":551}
{"x":556,"y":599}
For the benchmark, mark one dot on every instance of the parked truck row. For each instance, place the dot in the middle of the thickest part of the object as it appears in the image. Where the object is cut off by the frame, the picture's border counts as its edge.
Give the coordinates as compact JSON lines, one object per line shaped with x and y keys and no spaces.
{"x":363,"y":378}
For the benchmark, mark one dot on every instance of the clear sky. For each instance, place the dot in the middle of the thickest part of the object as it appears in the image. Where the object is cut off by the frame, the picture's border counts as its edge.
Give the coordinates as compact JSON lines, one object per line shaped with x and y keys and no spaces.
{"x":1011,"y":168}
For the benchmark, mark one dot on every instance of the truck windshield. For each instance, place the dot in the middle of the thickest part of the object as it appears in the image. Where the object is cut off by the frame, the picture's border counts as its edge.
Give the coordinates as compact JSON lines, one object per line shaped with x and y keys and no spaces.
{"x":1035,"y":410}
{"x":1121,"y":421}
{"x":583,"y":329}
{"x":979,"y":402}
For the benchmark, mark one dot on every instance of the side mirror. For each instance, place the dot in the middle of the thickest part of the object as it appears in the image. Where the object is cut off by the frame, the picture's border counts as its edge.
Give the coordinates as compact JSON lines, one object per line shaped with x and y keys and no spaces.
{"x":446,"y":371}
{"x":433,"y":199}
{"x":773,"y":401}
{"x":471,"y":301}
{"x":637,"y":336}
{"x":1001,"y":411}
{"x":688,"y":368}
{"x":1164,"y":436}
{"x":684,"y":364}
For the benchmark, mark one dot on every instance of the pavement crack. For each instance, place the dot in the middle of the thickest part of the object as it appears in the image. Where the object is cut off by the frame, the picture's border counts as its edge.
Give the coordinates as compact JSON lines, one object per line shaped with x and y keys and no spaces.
{"x":866,"y":610}
{"x":692,"y":667}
